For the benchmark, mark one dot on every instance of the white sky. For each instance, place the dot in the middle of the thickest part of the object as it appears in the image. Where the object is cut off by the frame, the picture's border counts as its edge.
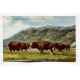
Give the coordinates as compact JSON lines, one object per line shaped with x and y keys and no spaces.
{"x":14,"y":24}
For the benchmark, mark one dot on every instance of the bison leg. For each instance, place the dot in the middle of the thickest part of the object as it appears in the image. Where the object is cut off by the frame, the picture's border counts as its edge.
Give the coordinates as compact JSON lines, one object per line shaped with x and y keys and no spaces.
{"x":21,"y":50}
{"x":14,"y":50}
{"x":10,"y":50}
{"x":41,"y":51}
{"x":52,"y":51}
{"x":26,"y":49}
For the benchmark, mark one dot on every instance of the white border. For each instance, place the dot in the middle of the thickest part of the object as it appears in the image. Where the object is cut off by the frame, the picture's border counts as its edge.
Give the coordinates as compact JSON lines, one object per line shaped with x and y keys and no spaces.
{"x":78,"y":39}
{"x":40,"y":71}
{"x":1,"y":39}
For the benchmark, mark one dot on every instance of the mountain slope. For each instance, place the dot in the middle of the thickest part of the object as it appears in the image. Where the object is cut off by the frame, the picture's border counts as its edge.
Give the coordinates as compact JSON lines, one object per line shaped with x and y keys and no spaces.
{"x":50,"y":33}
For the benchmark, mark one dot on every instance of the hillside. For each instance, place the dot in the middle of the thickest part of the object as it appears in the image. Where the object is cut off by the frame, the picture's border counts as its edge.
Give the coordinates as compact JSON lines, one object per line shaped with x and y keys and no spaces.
{"x":50,"y":33}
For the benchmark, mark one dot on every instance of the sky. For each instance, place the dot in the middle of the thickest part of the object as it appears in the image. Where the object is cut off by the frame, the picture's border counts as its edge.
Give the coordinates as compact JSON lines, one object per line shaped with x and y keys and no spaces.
{"x":15,"y":24}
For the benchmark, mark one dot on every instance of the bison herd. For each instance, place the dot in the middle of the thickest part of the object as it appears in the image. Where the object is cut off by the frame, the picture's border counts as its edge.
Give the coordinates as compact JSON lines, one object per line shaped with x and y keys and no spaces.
{"x":40,"y":45}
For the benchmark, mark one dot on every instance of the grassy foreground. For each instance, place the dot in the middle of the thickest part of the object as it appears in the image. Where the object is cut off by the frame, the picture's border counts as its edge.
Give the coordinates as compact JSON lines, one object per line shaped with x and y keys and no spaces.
{"x":33,"y":56}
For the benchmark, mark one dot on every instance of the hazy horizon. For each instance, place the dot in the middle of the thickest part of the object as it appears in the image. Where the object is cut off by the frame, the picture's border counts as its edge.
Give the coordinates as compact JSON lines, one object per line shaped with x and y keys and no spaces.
{"x":15,"y":24}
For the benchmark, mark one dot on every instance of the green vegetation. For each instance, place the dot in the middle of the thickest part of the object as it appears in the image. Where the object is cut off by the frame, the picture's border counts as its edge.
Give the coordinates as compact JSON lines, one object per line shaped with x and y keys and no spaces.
{"x":33,"y":56}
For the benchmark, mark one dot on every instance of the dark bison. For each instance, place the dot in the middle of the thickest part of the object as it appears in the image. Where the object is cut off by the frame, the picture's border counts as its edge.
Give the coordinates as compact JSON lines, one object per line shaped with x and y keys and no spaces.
{"x":16,"y":46}
{"x":43,"y":45}
{"x":61,"y":46}
{"x":13,"y":45}
{"x":24,"y":46}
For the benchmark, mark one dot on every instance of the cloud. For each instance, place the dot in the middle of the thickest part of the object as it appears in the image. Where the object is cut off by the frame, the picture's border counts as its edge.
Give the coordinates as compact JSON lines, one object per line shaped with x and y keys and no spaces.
{"x":43,"y":18}
{"x":14,"y":24}
{"x":64,"y":20}
{"x":40,"y":20}
{"x":11,"y":29}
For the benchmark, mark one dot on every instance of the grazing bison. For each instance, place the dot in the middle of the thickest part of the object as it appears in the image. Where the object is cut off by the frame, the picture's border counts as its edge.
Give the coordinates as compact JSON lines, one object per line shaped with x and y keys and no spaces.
{"x":13,"y":45}
{"x":24,"y":46}
{"x":43,"y":45}
{"x":61,"y":46}
{"x":16,"y":46}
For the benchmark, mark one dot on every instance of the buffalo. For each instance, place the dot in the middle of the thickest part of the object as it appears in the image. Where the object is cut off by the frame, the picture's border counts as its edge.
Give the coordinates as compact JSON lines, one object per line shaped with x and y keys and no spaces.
{"x":16,"y":46}
{"x":40,"y":45}
{"x":24,"y":46}
{"x":43,"y":45}
{"x":61,"y":46}
{"x":13,"y":45}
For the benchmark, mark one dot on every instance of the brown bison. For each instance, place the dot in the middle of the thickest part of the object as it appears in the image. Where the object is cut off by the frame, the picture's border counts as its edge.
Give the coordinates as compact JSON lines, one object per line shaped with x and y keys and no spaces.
{"x":24,"y":46}
{"x":16,"y":46}
{"x":61,"y":46}
{"x":43,"y":45}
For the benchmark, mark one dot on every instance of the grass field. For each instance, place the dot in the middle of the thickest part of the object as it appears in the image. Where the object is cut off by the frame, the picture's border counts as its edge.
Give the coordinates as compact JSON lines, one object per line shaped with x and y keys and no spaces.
{"x":33,"y":56}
